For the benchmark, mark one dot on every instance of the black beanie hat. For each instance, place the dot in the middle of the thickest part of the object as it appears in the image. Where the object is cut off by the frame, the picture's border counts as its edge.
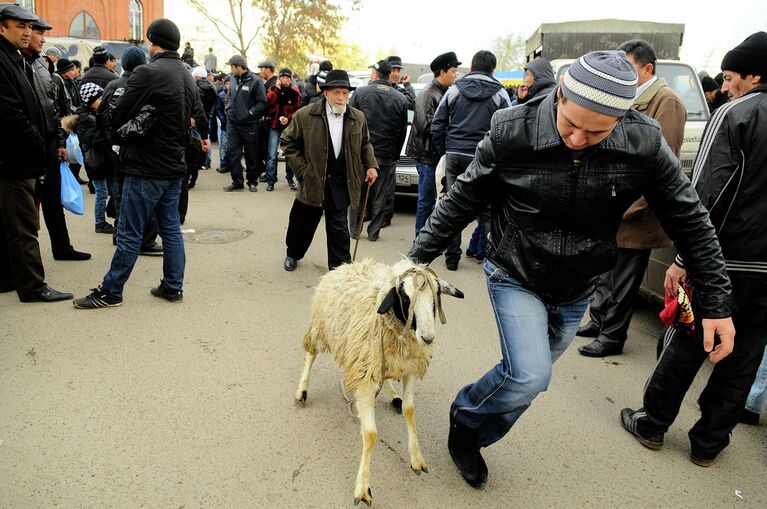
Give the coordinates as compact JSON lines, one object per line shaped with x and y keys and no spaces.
{"x":64,"y":65}
{"x":748,"y":57}
{"x":100,"y":55}
{"x":708,"y":84}
{"x":164,"y":33}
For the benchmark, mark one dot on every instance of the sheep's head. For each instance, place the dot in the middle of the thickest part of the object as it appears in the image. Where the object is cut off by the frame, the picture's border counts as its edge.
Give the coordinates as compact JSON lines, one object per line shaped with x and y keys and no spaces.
{"x":416,"y":299}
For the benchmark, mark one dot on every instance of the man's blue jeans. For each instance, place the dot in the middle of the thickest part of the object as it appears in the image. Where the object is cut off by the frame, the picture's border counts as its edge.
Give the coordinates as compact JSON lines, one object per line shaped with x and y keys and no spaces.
{"x":271,"y":157}
{"x":757,"y":397}
{"x":427,"y":194}
{"x":533,"y":335}
{"x":103,"y":188}
{"x":141,"y":197}
{"x":222,"y":146}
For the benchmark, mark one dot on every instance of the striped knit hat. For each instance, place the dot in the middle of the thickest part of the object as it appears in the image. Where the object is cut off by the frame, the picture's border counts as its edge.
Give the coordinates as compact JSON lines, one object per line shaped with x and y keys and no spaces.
{"x":602,"y":81}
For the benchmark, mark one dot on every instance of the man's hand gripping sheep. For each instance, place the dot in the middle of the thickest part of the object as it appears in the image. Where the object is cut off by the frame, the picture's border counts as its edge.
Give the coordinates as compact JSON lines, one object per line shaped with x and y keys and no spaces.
{"x":379,"y":323}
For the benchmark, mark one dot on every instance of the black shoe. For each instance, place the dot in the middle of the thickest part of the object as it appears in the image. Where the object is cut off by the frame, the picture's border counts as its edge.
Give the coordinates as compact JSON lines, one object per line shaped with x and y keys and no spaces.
{"x":98,"y":298}
{"x":192,"y":183}
{"x":386,"y":222}
{"x":290,"y":264}
{"x":48,"y":294}
{"x":451,"y":265}
{"x":223,"y":170}
{"x":270,"y":187}
{"x":373,"y":238}
{"x":597,"y":349}
{"x":464,"y":450}
{"x":589,"y":330}
{"x":204,"y":167}
{"x":153,"y":250}
{"x":292,"y":185}
{"x":232,"y":187}
{"x":262,"y":177}
{"x":253,"y":188}
{"x":72,"y":255}
{"x":749,"y":417}
{"x":174,"y":296}
{"x":702,"y":462}
{"x":105,"y":228}
{"x":629,"y":420}
{"x":471,"y":254}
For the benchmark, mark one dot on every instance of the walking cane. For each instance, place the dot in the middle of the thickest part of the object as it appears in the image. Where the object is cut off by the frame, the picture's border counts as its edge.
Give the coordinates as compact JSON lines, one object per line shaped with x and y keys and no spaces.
{"x":362,"y":220}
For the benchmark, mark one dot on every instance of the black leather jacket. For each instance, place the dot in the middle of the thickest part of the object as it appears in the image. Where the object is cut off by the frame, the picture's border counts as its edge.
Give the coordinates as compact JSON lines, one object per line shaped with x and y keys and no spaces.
{"x":419,"y":145}
{"x":554,"y":220}
{"x":53,"y":97}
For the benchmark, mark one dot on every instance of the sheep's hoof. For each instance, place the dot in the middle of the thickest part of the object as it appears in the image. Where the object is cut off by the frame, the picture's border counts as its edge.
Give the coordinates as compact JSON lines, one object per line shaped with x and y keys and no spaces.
{"x":397,"y":404}
{"x":302,"y":398}
{"x":368,"y":499}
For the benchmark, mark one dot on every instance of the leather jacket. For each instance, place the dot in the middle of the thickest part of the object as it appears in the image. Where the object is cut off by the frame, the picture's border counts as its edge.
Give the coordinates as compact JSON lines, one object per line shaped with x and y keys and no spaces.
{"x":419,"y":145}
{"x":54,"y":100}
{"x":554,"y":218}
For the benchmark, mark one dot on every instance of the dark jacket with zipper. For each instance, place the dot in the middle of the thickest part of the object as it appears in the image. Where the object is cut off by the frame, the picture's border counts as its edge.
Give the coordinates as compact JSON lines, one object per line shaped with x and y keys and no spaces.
{"x":419,"y":145}
{"x":386,"y":110}
{"x":95,"y":143}
{"x":247,"y":99}
{"x":730,"y":176}
{"x":207,"y":96}
{"x":555,"y":213}
{"x":53,"y":100}
{"x":166,"y":84}
{"x":306,"y":141}
{"x":22,"y":147}
{"x":99,"y":75}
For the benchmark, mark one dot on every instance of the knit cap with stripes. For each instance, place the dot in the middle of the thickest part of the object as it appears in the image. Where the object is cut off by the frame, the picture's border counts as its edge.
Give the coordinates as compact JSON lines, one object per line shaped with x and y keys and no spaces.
{"x":601,"y":81}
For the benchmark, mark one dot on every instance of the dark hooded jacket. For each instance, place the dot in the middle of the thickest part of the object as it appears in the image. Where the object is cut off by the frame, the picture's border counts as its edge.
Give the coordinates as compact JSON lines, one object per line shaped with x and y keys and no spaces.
{"x":463,"y":115}
{"x":98,"y":74}
{"x":544,"y":82}
{"x":207,"y":96}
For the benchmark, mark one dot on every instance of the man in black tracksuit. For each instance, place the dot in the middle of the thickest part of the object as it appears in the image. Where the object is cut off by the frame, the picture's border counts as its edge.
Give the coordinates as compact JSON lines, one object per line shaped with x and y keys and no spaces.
{"x":386,"y":112}
{"x":729,"y":176}
{"x":247,"y":103}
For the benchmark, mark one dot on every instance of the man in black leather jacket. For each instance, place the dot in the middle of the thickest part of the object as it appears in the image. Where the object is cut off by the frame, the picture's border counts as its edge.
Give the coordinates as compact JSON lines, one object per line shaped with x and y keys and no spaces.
{"x":558,"y":173}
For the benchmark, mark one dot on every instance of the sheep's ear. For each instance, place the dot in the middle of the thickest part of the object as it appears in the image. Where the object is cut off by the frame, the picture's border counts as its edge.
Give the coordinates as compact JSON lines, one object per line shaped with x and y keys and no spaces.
{"x":449,"y":289}
{"x":388,"y":301}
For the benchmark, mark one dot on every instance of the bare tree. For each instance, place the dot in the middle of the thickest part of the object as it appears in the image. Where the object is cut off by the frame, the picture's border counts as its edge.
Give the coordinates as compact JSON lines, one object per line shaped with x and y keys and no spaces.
{"x":230,"y":22}
{"x":510,"y":52}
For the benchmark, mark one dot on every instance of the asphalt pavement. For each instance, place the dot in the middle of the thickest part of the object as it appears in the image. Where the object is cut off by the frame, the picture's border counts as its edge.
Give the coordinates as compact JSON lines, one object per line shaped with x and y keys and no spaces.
{"x":154,"y":404}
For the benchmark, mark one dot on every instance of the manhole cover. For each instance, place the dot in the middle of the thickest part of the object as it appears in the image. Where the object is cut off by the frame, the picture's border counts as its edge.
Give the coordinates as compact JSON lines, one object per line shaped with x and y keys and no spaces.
{"x":214,"y":235}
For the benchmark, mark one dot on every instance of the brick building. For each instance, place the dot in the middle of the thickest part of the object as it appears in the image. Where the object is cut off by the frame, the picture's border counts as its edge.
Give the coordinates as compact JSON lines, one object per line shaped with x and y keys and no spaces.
{"x":115,"y":20}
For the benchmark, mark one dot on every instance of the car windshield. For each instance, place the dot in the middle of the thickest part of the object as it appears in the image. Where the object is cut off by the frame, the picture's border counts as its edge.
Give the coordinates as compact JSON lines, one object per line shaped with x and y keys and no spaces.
{"x":684,"y":82}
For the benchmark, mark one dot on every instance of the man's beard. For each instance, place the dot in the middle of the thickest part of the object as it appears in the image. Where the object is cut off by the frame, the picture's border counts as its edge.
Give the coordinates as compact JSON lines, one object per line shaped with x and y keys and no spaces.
{"x":338,"y":110}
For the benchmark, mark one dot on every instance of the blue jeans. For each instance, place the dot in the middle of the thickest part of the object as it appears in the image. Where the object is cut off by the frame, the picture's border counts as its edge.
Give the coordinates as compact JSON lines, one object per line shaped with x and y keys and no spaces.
{"x":103,"y":187}
{"x":272,"y":150}
{"x":533,"y":335}
{"x":222,"y":145}
{"x":757,"y":397}
{"x":141,"y":198}
{"x":427,"y":194}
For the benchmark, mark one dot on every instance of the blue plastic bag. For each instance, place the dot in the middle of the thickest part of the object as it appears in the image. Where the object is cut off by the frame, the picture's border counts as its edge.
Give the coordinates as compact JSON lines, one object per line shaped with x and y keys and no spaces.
{"x":74,"y":154}
{"x":71,"y":193}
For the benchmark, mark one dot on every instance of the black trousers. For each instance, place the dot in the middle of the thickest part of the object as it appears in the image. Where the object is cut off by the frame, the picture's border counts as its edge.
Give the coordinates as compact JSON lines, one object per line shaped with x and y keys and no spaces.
{"x":151,"y":229}
{"x":724,"y":397}
{"x":302,"y":224}
{"x":455,"y":165}
{"x":263,"y":147}
{"x":242,"y":138}
{"x":49,"y":193}
{"x":380,"y":195}
{"x":21,"y":266}
{"x":615,"y":296}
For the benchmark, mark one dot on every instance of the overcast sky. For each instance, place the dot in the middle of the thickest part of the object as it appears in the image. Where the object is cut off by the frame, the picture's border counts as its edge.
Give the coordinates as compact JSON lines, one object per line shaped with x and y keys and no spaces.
{"x":418,"y":30}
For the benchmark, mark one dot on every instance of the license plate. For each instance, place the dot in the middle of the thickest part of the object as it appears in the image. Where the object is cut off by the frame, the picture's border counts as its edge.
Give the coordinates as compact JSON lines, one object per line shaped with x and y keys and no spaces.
{"x":403,"y":180}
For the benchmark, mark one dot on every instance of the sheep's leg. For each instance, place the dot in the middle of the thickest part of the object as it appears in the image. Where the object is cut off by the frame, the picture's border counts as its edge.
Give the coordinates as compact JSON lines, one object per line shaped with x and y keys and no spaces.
{"x":417,"y":462}
{"x":304,"y":383}
{"x":392,"y":396}
{"x":364,"y":399}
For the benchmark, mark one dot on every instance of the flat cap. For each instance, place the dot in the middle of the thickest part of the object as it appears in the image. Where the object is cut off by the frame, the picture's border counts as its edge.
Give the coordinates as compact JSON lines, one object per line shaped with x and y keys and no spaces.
{"x":239,"y":61}
{"x":267,"y":63}
{"x":13,"y":11}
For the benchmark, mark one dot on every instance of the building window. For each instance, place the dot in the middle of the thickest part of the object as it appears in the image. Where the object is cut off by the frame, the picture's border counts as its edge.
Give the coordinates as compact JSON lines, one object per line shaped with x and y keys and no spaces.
{"x":136,"y":17}
{"x":84,"y":27}
{"x":27,"y":4}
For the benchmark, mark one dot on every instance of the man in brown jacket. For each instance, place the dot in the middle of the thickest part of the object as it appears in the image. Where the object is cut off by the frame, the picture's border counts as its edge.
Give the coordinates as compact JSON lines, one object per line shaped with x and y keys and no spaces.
{"x":325,"y":144}
{"x":640,"y":232}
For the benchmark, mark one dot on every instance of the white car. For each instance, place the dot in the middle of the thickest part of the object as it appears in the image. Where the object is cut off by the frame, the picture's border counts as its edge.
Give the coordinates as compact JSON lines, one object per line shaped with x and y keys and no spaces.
{"x":407,"y":175}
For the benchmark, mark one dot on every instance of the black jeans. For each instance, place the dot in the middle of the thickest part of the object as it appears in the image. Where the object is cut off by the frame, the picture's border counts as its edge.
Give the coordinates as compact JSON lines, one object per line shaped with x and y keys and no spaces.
{"x":724,"y":397}
{"x":380,"y":195}
{"x":455,"y":165}
{"x":302,"y":224}
{"x":49,"y":193}
{"x":242,"y":137}
{"x":21,"y":266}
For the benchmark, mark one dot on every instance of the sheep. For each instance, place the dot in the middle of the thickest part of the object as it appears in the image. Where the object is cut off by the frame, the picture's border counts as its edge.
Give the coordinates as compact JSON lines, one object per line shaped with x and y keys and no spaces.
{"x":378,"y":322}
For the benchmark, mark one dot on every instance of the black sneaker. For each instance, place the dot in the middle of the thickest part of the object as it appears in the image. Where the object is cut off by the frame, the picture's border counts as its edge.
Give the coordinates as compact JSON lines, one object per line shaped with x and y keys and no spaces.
{"x":464,"y":450}
{"x":270,"y":187}
{"x":292,"y":185}
{"x":253,"y":188}
{"x":174,"y":296}
{"x":262,"y":177}
{"x":629,"y":421}
{"x":105,"y":228}
{"x":99,"y":298}
{"x":153,"y":250}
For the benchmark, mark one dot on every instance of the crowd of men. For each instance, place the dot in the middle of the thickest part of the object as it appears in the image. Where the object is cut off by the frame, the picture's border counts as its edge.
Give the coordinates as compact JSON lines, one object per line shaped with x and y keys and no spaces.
{"x":571,"y":182}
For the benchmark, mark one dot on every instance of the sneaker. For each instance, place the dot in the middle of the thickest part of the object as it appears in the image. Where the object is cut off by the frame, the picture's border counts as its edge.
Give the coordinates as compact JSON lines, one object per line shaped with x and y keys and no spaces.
{"x":99,"y":298}
{"x":105,"y":228}
{"x":174,"y":296}
{"x":292,"y":185}
{"x":270,"y":187}
{"x":232,"y":187}
{"x":629,"y":421}
{"x":262,"y":177}
{"x":153,"y":250}
{"x":253,"y":188}
{"x":223,"y":170}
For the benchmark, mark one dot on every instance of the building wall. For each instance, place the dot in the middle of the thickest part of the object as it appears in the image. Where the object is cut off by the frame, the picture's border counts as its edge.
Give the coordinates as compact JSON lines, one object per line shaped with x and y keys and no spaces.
{"x":111,"y":16}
